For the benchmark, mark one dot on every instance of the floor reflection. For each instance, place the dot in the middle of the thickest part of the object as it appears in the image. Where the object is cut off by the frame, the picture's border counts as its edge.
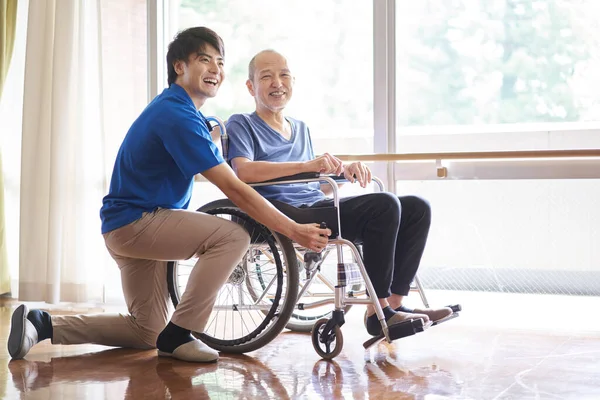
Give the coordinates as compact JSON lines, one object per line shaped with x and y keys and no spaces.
{"x":382,"y":379}
{"x":131,"y":374}
{"x":464,"y":359}
{"x":141,"y":375}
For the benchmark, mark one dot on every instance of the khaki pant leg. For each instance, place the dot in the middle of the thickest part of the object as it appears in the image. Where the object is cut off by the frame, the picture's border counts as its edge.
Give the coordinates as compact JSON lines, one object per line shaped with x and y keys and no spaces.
{"x":141,"y":250}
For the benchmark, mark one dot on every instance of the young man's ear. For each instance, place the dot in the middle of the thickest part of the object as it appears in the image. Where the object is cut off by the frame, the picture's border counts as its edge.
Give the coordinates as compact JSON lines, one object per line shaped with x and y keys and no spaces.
{"x":250,"y":87}
{"x":178,"y":66}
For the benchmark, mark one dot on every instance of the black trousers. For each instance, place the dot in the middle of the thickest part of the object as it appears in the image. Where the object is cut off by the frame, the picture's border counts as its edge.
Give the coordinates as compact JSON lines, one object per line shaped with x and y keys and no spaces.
{"x":393,"y":232}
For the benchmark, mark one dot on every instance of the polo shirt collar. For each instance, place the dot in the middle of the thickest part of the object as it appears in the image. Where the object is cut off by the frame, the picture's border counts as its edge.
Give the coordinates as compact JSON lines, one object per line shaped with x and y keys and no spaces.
{"x":181,"y":93}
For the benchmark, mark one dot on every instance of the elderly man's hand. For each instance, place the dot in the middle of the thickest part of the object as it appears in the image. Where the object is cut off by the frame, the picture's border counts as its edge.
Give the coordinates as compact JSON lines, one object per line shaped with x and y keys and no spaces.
{"x":325,"y":164}
{"x":358,"y":170}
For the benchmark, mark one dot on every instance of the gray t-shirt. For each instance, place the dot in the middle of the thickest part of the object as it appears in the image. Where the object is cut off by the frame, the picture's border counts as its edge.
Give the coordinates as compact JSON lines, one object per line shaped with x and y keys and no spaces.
{"x":252,"y":138}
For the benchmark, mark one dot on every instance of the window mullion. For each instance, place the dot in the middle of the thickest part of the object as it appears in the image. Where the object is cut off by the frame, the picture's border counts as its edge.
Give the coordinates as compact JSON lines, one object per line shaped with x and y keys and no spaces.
{"x":384,"y":83}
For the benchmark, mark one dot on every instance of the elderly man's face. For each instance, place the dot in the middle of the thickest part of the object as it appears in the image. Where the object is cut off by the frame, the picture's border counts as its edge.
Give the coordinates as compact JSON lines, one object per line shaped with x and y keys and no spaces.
{"x":272,"y":83}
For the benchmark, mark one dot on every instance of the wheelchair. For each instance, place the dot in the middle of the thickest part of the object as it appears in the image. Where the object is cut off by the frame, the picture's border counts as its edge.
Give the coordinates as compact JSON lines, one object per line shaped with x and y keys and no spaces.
{"x":278,"y":284}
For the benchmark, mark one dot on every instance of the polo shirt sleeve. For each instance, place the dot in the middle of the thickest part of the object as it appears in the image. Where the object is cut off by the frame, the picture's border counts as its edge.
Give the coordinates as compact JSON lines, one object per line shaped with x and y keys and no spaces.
{"x":241,"y":143}
{"x":191,"y":146}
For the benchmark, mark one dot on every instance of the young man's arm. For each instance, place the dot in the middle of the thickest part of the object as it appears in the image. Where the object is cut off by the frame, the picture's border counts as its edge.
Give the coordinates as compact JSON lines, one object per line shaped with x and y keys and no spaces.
{"x":193,"y":151}
{"x":246,"y":198}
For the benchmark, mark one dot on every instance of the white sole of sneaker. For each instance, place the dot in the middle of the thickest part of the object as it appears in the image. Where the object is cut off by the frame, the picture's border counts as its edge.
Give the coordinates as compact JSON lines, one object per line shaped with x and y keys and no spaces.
{"x":188,"y":359}
{"x":17,"y":332}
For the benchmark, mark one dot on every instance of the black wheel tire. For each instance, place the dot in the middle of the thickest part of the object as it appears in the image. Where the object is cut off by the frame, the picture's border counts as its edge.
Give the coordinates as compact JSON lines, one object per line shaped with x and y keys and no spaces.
{"x":316,"y":340}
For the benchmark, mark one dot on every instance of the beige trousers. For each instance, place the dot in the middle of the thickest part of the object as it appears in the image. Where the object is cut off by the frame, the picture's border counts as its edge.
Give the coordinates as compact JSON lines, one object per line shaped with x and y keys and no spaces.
{"x":142,"y":250}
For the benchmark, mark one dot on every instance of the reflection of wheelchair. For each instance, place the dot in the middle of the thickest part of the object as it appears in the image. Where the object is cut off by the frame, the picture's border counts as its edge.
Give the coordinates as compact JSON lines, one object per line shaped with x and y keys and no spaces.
{"x":280,"y":284}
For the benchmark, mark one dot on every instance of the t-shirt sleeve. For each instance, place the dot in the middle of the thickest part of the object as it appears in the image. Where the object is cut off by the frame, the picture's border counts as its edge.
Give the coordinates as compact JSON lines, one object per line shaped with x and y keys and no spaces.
{"x":311,"y":152}
{"x":191,"y":146}
{"x":241,"y":143}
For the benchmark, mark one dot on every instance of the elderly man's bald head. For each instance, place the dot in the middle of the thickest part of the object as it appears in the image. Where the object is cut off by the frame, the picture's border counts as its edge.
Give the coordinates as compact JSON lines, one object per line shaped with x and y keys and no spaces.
{"x":256,"y":58}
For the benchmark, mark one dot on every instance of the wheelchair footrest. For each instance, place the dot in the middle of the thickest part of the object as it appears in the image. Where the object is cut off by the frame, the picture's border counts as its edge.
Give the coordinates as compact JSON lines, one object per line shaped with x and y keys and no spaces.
{"x":397,"y":331}
{"x":455,"y":308}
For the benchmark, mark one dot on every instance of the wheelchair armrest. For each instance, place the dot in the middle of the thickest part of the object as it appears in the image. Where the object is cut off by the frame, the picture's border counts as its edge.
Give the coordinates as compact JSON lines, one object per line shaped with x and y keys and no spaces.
{"x":296,"y":177}
{"x":312,"y":177}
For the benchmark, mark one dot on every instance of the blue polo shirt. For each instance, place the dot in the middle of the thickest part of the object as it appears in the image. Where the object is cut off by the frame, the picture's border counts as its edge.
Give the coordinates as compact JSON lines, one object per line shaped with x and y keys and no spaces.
{"x":252,"y":138}
{"x":165,"y":147}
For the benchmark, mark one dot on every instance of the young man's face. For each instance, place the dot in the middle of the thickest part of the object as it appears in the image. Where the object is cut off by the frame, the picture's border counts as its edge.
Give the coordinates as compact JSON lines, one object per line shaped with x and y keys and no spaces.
{"x":202,"y":75}
{"x":273,"y":82}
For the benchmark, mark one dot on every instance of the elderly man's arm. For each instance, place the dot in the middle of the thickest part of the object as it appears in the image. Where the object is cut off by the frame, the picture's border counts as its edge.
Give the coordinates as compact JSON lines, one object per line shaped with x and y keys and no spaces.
{"x":257,"y":171}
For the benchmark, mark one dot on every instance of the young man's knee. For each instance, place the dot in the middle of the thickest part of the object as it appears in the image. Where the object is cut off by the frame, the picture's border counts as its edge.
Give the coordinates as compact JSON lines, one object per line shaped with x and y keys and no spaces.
{"x":239,"y":237}
{"x":230,"y":237}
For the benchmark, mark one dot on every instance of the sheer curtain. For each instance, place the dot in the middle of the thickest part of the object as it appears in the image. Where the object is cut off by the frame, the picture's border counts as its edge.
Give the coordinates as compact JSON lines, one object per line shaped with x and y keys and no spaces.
{"x":80,"y":96}
{"x":8,"y":23}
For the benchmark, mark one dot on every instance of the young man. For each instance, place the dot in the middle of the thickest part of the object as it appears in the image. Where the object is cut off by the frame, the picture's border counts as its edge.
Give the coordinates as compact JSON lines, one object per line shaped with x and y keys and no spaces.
{"x":144,"y":223}
{"x":266,"y":144}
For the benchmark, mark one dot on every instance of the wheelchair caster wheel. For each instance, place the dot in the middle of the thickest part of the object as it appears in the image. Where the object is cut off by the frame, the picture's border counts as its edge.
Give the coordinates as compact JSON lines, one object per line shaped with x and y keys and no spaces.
{"x":329,"y":345}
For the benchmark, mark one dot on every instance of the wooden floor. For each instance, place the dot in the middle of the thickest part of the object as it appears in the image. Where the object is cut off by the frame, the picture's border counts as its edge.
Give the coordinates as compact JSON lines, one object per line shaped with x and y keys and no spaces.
{"x":466,"y":358}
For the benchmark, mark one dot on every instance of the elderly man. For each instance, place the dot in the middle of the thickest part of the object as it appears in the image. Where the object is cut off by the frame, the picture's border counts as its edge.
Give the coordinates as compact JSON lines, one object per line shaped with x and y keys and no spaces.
{"x":267,"y":144}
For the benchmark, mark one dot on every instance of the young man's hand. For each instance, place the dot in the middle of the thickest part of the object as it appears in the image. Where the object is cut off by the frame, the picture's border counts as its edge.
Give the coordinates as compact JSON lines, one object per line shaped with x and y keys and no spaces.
{"x":325,"y":164}
{"x":311,"y":236}
{"x":358,"y":170}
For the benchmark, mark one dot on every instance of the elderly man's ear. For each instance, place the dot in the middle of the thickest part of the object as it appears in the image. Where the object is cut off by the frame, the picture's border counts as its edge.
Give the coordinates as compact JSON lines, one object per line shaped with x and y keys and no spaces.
{"x":250,"y":87}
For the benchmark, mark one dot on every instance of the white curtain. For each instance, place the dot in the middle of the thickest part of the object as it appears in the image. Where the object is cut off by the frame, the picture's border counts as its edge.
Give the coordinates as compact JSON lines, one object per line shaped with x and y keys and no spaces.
{"x":8,"y":24}
{"x":63,"y":165}
{"x":11,"y":111}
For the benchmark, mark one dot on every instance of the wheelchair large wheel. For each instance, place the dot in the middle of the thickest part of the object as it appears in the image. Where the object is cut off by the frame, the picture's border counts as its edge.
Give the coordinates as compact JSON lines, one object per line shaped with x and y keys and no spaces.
{"x":257,"y":300}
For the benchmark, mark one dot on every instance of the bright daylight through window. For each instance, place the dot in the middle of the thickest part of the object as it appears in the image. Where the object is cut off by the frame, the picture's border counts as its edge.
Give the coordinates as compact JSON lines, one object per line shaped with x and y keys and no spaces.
{"x":330,"y":50}
{"x":493,"y":62}
{"x":502,"y":75}
{"x":470,"y":75}
{"x":485,"y":66}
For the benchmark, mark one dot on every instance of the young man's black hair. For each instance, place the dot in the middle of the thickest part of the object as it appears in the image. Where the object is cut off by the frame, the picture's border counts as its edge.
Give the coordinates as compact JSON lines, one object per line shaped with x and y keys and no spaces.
{"x":188,"y":42}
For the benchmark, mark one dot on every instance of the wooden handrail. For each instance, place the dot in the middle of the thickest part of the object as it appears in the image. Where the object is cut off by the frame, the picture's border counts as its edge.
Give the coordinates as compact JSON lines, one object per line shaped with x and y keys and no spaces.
{"x":483,"y":155}
{"x":480,"y":155}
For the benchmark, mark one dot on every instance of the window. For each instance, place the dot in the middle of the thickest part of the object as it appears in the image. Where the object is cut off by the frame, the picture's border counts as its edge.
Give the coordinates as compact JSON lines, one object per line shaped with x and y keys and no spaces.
{"x":330,"y":51}
{"x":512,"y":236}
{"x":502,"y":75}
{"x":469,"y":75}
{"x":124,"y":54}
{"x":493,"y":70}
